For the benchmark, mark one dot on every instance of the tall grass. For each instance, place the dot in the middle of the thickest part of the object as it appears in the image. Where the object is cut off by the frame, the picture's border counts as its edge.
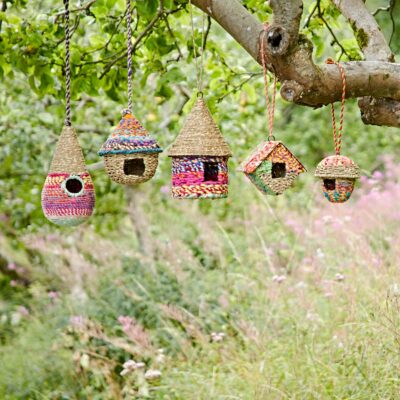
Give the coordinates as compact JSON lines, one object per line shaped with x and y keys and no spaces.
{"x":254,"y":298}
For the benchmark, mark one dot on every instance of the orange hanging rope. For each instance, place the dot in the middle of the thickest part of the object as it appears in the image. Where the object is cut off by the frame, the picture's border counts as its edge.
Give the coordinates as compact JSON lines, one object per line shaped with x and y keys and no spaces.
{"x":270,"y":104}
{"x":337,"y":134}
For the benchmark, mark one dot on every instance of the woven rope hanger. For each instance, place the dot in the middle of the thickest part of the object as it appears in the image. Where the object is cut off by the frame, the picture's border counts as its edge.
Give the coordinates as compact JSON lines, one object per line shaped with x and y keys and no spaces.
{"x":338,"y":133}
{"x":270,"y":103}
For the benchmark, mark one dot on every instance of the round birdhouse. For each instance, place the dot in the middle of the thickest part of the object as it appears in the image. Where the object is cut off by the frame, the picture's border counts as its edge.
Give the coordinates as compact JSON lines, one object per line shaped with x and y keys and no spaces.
{"x":68,"y":195}
{"x":338,"y":175}
{"x":130,"y":155}
{"x":200,"y":157}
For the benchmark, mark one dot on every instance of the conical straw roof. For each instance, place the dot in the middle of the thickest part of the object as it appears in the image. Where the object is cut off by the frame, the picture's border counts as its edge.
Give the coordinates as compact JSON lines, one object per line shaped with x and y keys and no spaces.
{"x":200,"y":135}
{"x":68,"y":156}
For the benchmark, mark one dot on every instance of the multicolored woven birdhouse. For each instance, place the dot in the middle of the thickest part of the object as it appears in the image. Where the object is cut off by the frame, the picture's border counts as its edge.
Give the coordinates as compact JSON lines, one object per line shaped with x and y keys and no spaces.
{"x":272,"y":168}
{"x":200,"y":157}
{"x":130,"y":155}
{"x":338,"y":174}
{"x":68,"y":195}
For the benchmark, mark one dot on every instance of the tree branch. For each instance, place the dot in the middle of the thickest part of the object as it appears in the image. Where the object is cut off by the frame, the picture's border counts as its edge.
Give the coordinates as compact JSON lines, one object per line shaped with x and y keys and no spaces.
{"x":289,"y":56}
{"x":383,"y":111}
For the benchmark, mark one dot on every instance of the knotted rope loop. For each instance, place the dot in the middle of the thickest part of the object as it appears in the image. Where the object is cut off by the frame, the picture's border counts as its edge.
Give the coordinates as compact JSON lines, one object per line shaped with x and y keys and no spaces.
{"x":338,"y":133}
{"x":270,"y":103}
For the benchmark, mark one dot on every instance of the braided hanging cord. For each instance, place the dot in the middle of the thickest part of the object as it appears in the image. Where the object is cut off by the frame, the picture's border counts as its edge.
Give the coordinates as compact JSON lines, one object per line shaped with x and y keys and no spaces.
{"x":130,"y":70}
{"x":270,"y":103}
{"x":199,"y":68}
{"x":67,"y":67}
{"x":338,"y":133}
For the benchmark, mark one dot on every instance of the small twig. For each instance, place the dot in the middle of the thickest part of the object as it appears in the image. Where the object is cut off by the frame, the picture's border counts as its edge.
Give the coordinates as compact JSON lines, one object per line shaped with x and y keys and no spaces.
{"x":142,"y":35}
{"x":308,"y":20}
{"x":85,"y":7}
{"x":3,"y":9}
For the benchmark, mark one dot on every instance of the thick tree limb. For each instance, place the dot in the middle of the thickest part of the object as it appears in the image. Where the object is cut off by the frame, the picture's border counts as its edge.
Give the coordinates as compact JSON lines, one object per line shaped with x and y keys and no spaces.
{"x":290,"y":56}
{"x":374,"y":47}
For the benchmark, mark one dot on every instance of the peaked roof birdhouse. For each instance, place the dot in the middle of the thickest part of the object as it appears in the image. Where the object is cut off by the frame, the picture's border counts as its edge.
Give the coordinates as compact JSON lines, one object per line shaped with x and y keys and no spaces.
{"x":130,"y":155}
{"x":68,"y":195}
{"x":272,"y":168}
{"x":200,"y":157}
{"x":338,"y":174}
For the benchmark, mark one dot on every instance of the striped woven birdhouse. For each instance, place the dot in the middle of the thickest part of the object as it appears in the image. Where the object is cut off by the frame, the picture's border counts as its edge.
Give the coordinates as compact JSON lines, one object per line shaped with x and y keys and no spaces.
{"x":130,"y":154}
{"x":338,"y":175}
{"x":68,"y":195}
{"x":200,"y":157}
{"x":272,"y":168}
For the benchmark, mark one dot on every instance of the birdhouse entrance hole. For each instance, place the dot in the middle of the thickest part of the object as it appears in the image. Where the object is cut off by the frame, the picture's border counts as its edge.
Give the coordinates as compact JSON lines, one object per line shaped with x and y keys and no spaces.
{"x":135,"y":166}
{"x":74,"y":185}
{"x":211,"y":171}
{"x":278,"y":170}
{"x":330,"y":184}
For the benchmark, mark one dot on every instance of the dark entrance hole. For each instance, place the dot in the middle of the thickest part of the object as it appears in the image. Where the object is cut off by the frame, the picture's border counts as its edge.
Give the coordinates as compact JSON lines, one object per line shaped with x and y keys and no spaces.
{"x":274,"y":39}
{"x":278,"y":170}
{"x":74,"y":185}
{"x":330,"y":184}
{"x":134,"y":166}
{"x":211,"y":171}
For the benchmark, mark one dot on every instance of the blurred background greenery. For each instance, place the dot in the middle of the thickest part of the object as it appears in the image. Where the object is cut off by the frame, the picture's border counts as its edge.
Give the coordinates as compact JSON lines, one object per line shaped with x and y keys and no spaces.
{"x":245,"y":298}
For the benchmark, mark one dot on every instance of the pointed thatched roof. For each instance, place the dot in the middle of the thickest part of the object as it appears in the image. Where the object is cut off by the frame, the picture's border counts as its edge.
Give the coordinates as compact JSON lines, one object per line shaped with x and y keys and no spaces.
{"x":68,"y":156}
{"x":200,"y":135}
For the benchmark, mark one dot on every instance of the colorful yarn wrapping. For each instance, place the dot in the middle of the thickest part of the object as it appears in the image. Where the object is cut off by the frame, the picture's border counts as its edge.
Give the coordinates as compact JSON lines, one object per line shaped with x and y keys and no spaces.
{"x":130,"y":141}
{"x":64,"y":208}
{"x":258,"y":167}
{"x":188,"y":178}
{"x":129,"y":137}
{"x":343,"y":171}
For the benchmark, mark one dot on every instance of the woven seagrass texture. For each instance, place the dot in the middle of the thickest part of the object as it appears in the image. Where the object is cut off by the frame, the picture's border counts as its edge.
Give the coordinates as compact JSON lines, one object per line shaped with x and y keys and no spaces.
{"x":337,"y":167}
{"x":130,"y":141}
{"x":68,"y":156}
{"x":200,"y":135}
{"x":258,"y":167}
{"x":114,"y":165}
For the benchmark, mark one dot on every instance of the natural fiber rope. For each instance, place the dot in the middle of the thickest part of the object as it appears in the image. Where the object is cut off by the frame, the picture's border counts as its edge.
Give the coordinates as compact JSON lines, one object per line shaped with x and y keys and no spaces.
{"x":199,"y":68}
{"x":129,"y":37}
{"x":270,"y":104}
{"x":337,"y":134}
{"x":67,"y":67}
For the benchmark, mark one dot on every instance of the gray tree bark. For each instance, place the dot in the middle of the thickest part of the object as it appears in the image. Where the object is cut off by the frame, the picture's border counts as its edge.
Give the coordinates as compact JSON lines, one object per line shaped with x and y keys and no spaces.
{"x":289,"y":56}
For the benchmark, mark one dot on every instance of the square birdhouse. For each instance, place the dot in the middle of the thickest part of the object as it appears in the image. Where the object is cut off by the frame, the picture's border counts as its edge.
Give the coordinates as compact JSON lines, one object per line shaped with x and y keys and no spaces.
{"x":272,"y":168}
{"x":200,"y":158}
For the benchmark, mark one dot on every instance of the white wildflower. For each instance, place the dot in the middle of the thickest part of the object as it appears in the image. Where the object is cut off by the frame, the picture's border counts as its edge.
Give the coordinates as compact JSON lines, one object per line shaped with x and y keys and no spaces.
{"x":130,"y":366}
{"x":152,"y":374}
{"x":339,"y":277}
{"x":217,"y":337}
{"x":278,"y":278}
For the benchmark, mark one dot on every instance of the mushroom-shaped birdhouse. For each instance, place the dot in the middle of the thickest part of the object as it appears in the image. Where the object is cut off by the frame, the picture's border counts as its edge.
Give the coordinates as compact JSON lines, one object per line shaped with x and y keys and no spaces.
{"x":130,"y":154}
{"x":68,"y":195}
{"x":272,"y":168}
{"x":200,"y":157}
{"x":338,"y":175}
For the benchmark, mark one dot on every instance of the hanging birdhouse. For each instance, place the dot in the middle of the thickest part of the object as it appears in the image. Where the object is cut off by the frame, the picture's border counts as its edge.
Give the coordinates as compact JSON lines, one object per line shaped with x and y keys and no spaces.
{"x":130,"y":155}
{"x":68,"y":194}
{"x":338,"y":174}
{"x":200,"y":157}
{"x":272,"y":168}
